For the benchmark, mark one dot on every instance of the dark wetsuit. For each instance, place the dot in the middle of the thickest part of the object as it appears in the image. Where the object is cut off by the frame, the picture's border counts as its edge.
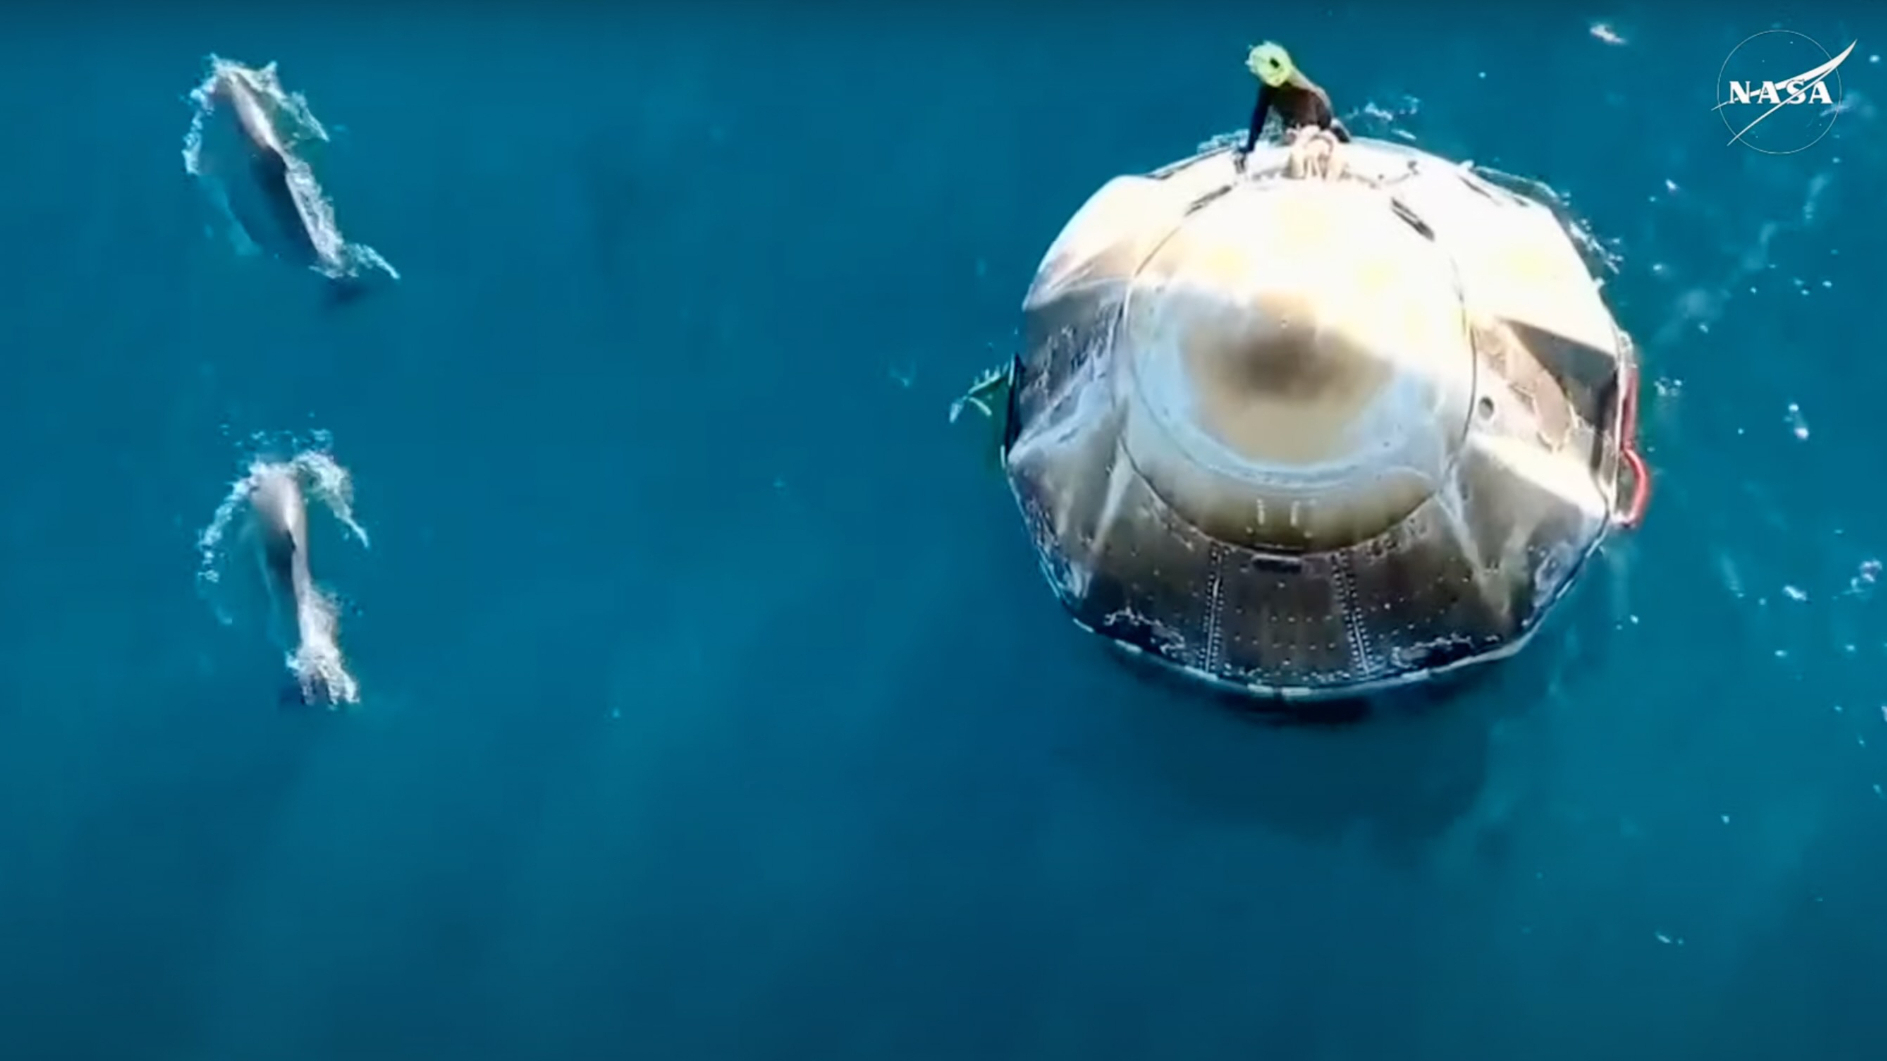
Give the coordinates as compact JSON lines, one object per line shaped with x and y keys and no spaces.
{"x":1300,"y":102}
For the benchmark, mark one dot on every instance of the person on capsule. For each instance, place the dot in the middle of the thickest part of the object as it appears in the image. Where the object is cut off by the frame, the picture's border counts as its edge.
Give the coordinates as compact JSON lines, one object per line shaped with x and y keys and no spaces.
{"x":1299,"y":101}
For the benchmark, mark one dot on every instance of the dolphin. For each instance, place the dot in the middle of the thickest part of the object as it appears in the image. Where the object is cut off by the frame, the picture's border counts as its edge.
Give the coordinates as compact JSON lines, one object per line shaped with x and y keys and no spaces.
{"x":279,"y":517}
{"x":261,"y":185}
{"x":265,"y":169}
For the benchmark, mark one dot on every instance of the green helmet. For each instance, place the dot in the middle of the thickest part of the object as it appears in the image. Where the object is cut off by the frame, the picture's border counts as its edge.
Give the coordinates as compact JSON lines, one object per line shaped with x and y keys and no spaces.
{"x":1270,"y":63}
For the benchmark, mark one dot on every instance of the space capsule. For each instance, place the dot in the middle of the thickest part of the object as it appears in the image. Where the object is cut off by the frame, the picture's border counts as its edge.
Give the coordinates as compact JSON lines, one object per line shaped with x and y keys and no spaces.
{"x":1317,"y":431}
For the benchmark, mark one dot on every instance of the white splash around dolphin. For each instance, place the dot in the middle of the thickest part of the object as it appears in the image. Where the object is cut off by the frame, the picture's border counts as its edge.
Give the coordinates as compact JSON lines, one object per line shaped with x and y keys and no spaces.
{"x":304,"y":619}
{"x":242,"y":115}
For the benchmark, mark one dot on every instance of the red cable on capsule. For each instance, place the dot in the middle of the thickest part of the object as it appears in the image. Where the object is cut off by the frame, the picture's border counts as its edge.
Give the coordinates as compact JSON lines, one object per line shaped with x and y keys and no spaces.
{"x":1634,"y":512}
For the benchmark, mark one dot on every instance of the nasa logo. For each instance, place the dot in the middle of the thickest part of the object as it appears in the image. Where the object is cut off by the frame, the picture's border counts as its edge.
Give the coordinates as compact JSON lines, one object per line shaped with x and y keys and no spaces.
{"x":1774,"y":91}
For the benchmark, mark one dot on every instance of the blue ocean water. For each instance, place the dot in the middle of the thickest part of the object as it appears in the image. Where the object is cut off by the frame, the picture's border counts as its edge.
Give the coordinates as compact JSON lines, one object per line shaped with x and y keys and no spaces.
{"x":713,"y":706}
